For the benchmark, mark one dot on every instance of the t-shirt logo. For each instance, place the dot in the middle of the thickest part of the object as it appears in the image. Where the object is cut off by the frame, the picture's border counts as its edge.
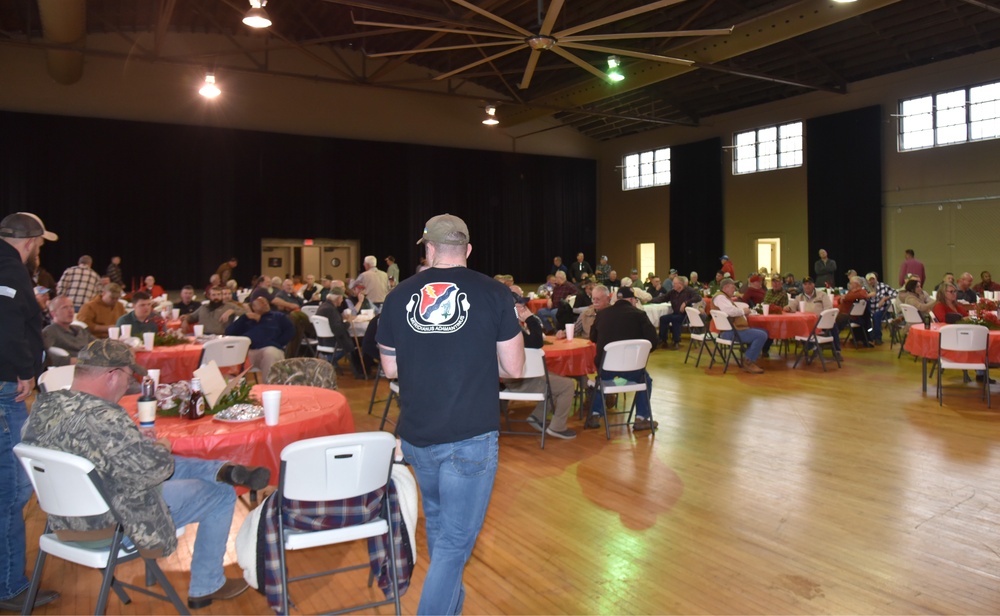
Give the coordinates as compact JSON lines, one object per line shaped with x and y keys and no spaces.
{"x":439,"y":308}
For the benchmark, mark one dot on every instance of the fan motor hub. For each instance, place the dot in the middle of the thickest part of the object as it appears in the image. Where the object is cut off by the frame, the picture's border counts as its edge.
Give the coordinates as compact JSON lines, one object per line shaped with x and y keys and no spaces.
{"x":540,"y":41}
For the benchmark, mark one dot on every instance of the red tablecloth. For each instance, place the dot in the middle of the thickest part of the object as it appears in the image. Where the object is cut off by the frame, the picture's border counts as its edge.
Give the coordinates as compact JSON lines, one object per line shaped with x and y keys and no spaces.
{"x":176,"y":363}
{"x":570,"y":357}
{"x":534,"y":305}
{"x":924,"y":343}
{"x":782,"y":326}
{"x":306,"y":412}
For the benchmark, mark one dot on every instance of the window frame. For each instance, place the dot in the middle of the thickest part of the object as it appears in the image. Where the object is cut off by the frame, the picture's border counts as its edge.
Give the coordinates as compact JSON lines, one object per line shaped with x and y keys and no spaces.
{"x":934,"y":118}
{"x":769,"y":148}
{"x":646,"y":169}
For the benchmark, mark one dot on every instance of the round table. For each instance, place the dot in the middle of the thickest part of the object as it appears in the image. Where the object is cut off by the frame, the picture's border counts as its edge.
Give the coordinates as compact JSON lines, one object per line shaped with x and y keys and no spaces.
{"x":534,"y":305}
{"x":783,"y":326}
{"x":570,"y":357}
{"x":655,"y":311}
{"x":175,"y":363}
{"x":306,"y":412}
{"x":924,"y":343}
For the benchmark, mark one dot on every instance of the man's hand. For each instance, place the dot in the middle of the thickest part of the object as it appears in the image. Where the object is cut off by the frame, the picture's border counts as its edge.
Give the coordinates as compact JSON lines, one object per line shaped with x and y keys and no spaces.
{"x":24,"y":389}
{"x":165,"y":442}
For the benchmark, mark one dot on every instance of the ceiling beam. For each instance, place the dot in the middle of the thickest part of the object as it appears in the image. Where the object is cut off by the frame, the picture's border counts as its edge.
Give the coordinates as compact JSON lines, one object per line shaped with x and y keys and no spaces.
{"x":778,"y":26}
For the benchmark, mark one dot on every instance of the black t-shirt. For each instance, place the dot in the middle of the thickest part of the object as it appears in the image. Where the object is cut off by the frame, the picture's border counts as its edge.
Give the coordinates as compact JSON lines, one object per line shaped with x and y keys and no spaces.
{"x":445,"y":324}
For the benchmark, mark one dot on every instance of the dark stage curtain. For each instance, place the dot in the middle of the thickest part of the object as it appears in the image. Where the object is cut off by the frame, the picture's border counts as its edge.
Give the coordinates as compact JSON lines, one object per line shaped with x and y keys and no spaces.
{"x":844,"y":172}
{"x":176,"y":201}
{"x":696,"y":208}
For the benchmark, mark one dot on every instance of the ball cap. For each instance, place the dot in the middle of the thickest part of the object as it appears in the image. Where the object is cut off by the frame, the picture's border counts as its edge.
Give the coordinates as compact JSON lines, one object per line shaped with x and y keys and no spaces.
{"x":444,"y":229}
{"x":109,"y":354}
{"x":24,"y":225}
{"x":625,"y":293}
{"x":727,"y":282}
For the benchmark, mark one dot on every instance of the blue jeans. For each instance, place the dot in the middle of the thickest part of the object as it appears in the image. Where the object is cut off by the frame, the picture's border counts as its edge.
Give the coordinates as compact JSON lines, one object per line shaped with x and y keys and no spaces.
{"x":456,"y":481}
{"x":548,"y":317}
{"x":754,"y":337}
{"x":15,"y":490}
{"x":673,"y":322}
{"x":193,"y":495}
{"x":642,"y":407}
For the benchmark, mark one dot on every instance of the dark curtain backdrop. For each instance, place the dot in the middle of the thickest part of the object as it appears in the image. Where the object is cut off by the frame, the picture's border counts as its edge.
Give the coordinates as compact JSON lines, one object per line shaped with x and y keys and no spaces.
{"x":696,"y":208}
{"x":176,"y":201}
{"x":844,"y":172}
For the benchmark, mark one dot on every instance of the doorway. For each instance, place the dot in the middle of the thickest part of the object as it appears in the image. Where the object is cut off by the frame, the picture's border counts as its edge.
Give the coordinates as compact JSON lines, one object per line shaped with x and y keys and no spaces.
{"x":769,"y":255}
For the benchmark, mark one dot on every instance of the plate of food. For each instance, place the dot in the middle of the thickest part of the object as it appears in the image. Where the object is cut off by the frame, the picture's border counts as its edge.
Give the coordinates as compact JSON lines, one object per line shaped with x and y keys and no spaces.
{"x":239,"y":413}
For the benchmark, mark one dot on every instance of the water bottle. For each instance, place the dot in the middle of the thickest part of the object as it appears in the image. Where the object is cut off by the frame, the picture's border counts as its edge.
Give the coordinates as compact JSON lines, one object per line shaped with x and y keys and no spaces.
{"x":147,"y":409}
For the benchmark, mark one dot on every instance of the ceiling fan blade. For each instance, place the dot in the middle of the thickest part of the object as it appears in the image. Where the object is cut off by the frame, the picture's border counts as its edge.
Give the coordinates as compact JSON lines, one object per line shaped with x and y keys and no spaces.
{"x":483,"y":61}
{"x":496,"y":18}
{"x":617,"y":16}
{"x":550,"y":17}
{"x":577,"y":61}
{"x":628,"y":53}
{"x":381,"y":24}
{"x":529,"y":70}
{"x":633,"y":35}
{"x":406,"y":52}
{"x":397,"y":11}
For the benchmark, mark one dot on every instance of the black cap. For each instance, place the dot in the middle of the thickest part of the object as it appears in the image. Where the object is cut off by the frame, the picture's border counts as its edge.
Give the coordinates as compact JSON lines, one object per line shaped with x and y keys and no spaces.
{"x":25,"y":225}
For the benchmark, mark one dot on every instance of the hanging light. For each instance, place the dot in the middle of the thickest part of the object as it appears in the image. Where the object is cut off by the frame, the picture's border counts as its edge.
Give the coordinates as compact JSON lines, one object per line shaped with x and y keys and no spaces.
{"x":210,"y":90}
{"x":614,"y":69}
{"x":257,"y":17}
{"x":491,"y":116}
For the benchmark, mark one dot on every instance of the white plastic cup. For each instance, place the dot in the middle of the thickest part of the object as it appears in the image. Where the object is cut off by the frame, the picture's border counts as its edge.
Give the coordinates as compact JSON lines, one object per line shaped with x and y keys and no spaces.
{"x":569,"y":331}
{"x":114,"y":333}
{"x":767,"y":309}
{"x":802,"y":305}
{"x":126,"y":331}
{"x":176,"y":313}
{"x":972,"y":314}
{"x":272,"y":406}
{"x":199,"y":331}
{"x":147,"y":340}
{"x":154,"y":373}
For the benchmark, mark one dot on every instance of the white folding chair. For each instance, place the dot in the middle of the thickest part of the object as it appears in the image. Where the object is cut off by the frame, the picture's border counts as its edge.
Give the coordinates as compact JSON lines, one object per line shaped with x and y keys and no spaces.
{"x":812,"y":345}
{"x":225,"y":351}
{"x":858,"y":309}
{"x":912,"y":318}
{"x":729,"y":347}
{"x":310,"y":309}
{"x":56,"y":377}
{"x":322,"y":327}
{"x":896,"y":311}
{"x":623,"y":356}
{"x":702,"y":337}
{"x":331,"y":468}
{"x":69,"y":486}
{"x":972,"y":339}
{"x":393,"y":394}
{"x":534,"y":368}
{"x":79,"y":324}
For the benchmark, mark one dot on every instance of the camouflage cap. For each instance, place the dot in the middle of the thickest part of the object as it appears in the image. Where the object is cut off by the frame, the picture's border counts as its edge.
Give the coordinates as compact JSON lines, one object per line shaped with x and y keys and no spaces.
{"x":109,"y":354}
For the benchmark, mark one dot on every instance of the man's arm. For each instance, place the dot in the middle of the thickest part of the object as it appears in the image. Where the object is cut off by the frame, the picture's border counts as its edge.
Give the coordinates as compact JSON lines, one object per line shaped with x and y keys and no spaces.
{"x":511,"y":356}
{"x":388,"y":361}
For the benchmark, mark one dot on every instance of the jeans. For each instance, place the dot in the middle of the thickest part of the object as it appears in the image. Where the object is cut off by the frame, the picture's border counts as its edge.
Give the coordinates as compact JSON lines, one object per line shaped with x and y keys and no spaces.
{"x":642,"y":407}
{"x":15,"y":490}
{"x":673,"y":322}
{"x":877,"y":317}
{"x":563,"y":388}
{"x":194,"y":496}
{"x":548,"y":317}
{"x":456,"y":481}
{"x":754,"y":337}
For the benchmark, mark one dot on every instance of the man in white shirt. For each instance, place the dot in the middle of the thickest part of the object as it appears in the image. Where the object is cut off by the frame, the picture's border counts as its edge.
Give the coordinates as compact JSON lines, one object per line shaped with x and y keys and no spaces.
{"x":374,"y":281}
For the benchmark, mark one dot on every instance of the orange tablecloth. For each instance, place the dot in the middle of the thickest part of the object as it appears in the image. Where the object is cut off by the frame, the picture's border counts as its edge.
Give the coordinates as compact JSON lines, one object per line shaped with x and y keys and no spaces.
{"x":570,"y":357}
{"x":306,"y":412}
{"x":534,"y":305}
{"x":782,"y":326}
{"x":924,"y":343}
{"x":176,"y":363}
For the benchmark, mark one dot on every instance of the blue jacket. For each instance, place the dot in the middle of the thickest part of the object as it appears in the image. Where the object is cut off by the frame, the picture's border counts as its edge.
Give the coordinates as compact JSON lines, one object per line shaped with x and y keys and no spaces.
{"x":273,"y":329}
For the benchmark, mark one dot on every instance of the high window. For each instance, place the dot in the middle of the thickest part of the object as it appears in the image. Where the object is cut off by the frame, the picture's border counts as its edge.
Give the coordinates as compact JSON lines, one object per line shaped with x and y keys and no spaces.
{"x":956,"y":116}
{"x":771,"y":147}
{"x":645,"y":169}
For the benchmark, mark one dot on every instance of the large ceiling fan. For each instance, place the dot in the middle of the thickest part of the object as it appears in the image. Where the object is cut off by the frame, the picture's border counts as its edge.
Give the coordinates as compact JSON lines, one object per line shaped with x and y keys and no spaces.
{"x":544,"y":39}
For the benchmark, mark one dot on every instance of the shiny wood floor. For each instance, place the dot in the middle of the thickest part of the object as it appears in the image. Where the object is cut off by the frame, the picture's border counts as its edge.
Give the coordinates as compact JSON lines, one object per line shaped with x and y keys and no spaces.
{"x":793,"y":492}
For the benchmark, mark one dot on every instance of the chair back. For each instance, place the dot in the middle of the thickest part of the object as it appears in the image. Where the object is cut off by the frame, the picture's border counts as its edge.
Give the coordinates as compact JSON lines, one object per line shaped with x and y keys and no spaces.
{"x":626,"y":355}
{"x":336,"y":467}
{"x":694,"y":317}
{"x":62,"y":481}
{"x":964,"y":337}
{"x":721,"y":321}
{"x":307,"y":371}
{"x":859,"y":307}
{"x":56,"y":377}
{"x":79,"y":324}
{"x":225,"y":351}
{"x":911,"y":315}
{"x":310,"y":309}
{"x":322,"y":326}
{"x":827,"y":318}
{"x":534,"y":363}
{"x":55,"y":351}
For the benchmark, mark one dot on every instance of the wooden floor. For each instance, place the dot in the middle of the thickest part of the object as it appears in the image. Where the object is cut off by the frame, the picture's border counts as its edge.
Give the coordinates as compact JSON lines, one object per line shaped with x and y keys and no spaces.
{"x":793,"y":492}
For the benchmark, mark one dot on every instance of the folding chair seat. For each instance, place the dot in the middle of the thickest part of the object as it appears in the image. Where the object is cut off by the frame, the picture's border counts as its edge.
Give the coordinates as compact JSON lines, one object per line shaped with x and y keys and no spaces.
{"x":534,"y":367}
{"x":728,"y":347}
{"x":812,"y":345}
{"x":913,"y":319}
{"x":970,"y":339}
{"x":68,"y":486}
{"x":623,"y":356}
{"x":703,"y":336}
{"x":332,"y":468}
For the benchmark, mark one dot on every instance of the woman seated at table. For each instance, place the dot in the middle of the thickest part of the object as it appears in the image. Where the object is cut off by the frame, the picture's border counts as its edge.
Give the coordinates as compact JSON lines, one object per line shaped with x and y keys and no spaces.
{"x":913,"y":294}
{"x":947,"y":309}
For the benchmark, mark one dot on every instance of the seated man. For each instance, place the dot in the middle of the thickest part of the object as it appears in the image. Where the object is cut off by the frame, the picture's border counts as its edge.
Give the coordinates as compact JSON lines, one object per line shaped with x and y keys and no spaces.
{"x":754,"y":293}
{"x":816,"y":302}
{"x":269,"y":332}
{"x":187,"y":304}
{"x":637,"y":291}
{"x":149,"y":286}
{"x":985,"y":284}
{"x":562,"y":387}
{"x":792,"y":288}
{"x":756,"y":338}
{"x":216,"y":315}
{"x":599,"y":300}
{"x":879,"y":301}
{"x":310,"y":288}
{"x":623,"y":321}
{"x":776,"y":297}
{"x":545,"y":289}
{"x":560,"y":293}
{"x":213,"y":281}
{"x":855,"y":292}
{"x":679,"y":297}
{"x":63,"y":334}
{"x":152,"y":491}
{"x":142,"y":319}
{"x":613,"y":283}
{"x":43,"y":299}
{"x":342,"y":340}
{"x":716,"y":285}
{"x":102,"y":312}
{"x":913,"y":295}
{"x":656,"y":288}
{"x":965,"y":292}
{"x":287,"y":294}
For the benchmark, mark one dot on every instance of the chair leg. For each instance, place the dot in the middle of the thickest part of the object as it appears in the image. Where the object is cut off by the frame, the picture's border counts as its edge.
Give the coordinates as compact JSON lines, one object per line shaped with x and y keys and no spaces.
{"x":385,"y":412}
{"x":167,"y":587}
{"x":36,"y":580}
{"x":109,"y":574}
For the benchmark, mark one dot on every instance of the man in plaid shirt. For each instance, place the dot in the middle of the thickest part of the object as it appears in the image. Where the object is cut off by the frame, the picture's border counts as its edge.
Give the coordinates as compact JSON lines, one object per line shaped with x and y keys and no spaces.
{"x":879,"y":300}
{"x":80,"y":283}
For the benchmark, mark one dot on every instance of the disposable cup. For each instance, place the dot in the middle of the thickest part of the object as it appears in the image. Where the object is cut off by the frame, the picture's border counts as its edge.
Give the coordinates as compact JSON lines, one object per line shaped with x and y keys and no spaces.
{"x":114,"y":333}
{"x":569,"y":331}
{"x":147,"y":340}
{"x":126,"y":331}
{"x":199,"y":331}
{"x":154,"y":373}
{"x":767,"y":309}
{"x":272,"y":406}
{"x":176,"y":313}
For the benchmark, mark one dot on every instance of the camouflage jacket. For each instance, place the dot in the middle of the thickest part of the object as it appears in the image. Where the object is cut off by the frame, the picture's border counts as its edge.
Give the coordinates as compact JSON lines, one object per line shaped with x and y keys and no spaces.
{"x":132,"y":467}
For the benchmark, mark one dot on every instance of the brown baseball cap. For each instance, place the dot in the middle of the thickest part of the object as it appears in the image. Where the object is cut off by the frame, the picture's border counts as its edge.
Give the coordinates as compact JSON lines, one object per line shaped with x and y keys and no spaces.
{"x":109,"y":354}
{"x":24,"y":225}
{"x":443,"y":229}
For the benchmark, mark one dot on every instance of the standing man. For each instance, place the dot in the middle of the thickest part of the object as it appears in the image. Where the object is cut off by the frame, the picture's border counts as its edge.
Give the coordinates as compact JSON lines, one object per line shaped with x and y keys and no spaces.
{"x":727,"y":267}
{"x":910,"y":266}
{"x":80,"y":282}
{"x":114,"y":271}
{"x":442,"y":332}
{"x":20,"y":362}
{"x":392,"y":270}
{"x":581,"y":269}
{"x":825,"y":269}
{"x":225,"y":271}
{"x":373,"y":281}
